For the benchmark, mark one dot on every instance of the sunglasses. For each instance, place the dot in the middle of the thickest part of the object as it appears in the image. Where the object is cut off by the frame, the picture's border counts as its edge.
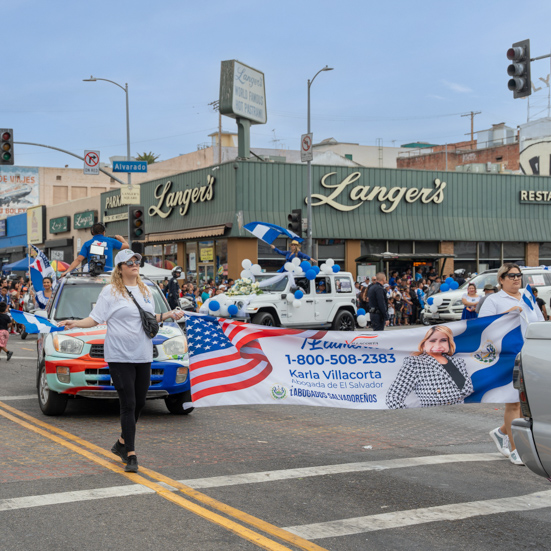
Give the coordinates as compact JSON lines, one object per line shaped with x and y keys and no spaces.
{"x":132,"y":263}
{"x":513,"y":276}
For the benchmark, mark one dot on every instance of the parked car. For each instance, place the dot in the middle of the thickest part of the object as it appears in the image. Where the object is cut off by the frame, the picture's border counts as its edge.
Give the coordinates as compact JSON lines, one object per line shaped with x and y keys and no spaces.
{"x":452,"y":307}
{"x":70,"y":364}
{"x":532,"y":378}
{"x":334,"y":308}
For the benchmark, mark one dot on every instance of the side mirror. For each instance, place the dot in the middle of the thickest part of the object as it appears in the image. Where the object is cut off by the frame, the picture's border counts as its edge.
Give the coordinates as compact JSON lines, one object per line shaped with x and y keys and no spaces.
{"x":294,"y":288}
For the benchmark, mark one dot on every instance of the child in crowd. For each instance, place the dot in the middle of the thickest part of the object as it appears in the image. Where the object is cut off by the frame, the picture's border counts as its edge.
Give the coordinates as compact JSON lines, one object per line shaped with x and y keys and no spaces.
{"x":391,"y":311}
{"x":5,"y":323}
{"x":398,"y":309}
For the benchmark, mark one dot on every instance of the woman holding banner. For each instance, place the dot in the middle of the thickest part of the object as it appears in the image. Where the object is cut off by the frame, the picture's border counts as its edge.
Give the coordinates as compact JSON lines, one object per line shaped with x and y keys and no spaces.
{"x":509,"y":299}
{"x":436,"y":377}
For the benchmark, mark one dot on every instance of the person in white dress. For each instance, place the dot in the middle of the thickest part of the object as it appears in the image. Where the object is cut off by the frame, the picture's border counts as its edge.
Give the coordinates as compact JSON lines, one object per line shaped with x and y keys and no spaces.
{"x":470,"y":299}
{"x":509,"y":300}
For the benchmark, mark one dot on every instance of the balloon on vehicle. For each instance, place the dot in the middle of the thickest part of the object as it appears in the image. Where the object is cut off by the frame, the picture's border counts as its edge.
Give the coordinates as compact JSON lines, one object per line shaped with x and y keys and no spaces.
{"x":214,"y":305}
{"x":310,"y":274}
{"x":444,"y":287}
{"x":246,"y":264}
{"x":336,"y":268}
{"x":299,"y":294}
{"x":232,"y":310}
{"x":297,"y":303}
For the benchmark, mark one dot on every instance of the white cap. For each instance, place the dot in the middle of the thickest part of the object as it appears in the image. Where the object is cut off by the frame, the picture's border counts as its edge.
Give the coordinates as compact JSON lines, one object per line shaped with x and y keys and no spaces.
{"x":126,"y":254}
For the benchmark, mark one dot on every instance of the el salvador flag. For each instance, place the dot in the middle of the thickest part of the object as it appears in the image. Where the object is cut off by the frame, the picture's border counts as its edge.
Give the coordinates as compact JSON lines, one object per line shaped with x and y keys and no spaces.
{"x":269,"y":232}
{"x":40,"y":269}
{"x":34,"y":324}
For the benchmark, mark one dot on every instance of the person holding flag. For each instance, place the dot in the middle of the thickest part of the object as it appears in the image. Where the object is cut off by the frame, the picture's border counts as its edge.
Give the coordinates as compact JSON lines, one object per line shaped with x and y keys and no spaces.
{"x":295,"y":252}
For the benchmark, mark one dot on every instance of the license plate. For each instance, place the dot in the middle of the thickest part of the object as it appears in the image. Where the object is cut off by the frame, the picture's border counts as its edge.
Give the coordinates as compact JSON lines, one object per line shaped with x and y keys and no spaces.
{"x":436,"y":316}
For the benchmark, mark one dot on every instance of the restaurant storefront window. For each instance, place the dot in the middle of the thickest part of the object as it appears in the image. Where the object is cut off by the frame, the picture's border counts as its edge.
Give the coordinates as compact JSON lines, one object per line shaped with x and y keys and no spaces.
{"x":514,"y":252}
{"x":170,"y":256}
{"x":205,"y":267}
{"x":545,"y":254}
{"x":330,"y":248}
{"x":191,"y":262}
{"x":489,"y":256}
{"x":153,"y":255}
{"x":465,"y":252}
{"x":221,"y":260}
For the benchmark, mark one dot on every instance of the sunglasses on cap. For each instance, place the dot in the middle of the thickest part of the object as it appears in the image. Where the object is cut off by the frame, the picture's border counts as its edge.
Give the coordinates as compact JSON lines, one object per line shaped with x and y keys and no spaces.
{"x":131,"y":263}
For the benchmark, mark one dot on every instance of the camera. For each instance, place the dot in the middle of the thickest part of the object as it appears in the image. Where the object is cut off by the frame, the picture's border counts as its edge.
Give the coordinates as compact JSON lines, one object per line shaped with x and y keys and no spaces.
{"x":96,"y":264}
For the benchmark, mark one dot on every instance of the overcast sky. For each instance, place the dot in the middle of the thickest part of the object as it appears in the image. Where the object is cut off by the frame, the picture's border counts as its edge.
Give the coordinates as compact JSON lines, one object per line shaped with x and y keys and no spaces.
{"x":403,"y":71}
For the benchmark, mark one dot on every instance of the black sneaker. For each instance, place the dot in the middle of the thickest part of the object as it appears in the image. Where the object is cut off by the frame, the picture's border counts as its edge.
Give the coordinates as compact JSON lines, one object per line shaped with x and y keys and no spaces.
{"x":132,"y":465}
{"x":120,"y":450}
{"x":10,"y":354}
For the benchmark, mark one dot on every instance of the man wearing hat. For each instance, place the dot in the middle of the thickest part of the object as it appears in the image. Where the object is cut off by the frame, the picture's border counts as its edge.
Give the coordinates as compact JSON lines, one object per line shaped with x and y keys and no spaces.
{"x":489,"y":289}
{"x":174,"y":289}
{"x":293,"y":253}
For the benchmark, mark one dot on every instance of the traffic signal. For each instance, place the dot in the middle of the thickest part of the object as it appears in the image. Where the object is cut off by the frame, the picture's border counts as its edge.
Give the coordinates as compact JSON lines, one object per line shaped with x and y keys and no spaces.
{"x":136,"y":219}
{"x":519,"y":70}
{"x":6,"y":147}
{"x":295,"y":221}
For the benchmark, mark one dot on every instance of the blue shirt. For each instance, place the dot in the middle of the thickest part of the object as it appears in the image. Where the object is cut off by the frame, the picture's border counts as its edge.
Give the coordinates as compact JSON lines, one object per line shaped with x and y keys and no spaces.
{"x":418,"y":276}
{"x":109,"y":243}
{"x":289,"y":256}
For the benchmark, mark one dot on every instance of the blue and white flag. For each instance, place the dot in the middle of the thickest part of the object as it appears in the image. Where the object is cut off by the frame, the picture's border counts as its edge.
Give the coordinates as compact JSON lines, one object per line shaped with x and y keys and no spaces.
{"x":34,"y":324}
{"x":270,"y":232}
{"x":528,"y":298}
{"x":40,"y":269}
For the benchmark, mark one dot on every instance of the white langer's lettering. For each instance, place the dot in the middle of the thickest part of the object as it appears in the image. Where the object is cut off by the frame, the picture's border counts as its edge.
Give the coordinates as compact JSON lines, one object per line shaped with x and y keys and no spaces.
{"x":183,"y":199}
{"x":390,"y":198}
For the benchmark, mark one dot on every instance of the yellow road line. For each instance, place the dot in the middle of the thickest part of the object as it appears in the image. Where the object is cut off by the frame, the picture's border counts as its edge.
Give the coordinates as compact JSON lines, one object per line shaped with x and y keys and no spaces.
{"x":27,"y":348}
{"x":234,"y":527}
{"x":266,"y":527}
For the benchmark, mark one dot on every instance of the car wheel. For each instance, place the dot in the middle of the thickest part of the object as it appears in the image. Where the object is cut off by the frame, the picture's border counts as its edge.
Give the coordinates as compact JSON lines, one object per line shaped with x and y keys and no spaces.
{"x":175,"y":403}
{"x":23,"y":335}
{"x":424,"y":319}
{"x":264,"y":318}
{"x":344,"y":321}
{"x":50,"y":402}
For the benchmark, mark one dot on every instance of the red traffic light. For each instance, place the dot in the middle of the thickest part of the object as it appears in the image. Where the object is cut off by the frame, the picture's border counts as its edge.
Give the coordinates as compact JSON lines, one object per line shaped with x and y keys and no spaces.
{"x":6,"y":136}
{"x":516,"y":53}
{"x":138,"y":213}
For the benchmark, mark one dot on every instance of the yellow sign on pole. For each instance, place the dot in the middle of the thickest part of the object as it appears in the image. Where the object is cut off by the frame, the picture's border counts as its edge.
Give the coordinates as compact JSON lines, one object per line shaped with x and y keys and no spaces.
{"x":130,"y":196}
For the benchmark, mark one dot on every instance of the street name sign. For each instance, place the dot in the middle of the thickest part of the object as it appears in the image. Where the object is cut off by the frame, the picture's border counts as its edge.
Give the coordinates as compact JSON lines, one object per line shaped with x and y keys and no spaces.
{"x":130,"y":166}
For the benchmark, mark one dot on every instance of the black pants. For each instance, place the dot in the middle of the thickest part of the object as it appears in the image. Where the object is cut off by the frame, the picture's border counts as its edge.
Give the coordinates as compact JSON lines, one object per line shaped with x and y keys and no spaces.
{"x":377,"y":322}
{"x":131,"y":381}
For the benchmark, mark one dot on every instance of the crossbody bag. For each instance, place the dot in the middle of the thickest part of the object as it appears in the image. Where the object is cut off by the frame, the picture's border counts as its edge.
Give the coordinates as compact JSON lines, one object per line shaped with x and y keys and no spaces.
{"x":149,"y":321}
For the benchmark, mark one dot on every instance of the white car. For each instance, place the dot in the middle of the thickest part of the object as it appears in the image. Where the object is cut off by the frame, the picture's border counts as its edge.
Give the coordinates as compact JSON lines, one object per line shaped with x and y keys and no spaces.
{"x":451,"y":307}
{"x":333,"y":307}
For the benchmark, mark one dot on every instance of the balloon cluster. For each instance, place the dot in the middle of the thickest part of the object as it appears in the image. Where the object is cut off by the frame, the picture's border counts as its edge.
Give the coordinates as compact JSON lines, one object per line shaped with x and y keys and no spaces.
{"x":361,"y":318}
{"x":449,"y":285}
{"x":250,"y":270}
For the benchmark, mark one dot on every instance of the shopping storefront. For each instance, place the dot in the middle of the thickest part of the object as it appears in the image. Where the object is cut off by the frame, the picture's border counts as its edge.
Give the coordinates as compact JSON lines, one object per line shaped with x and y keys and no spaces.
{"x":196,"y":219}
{"x":13,"y":238}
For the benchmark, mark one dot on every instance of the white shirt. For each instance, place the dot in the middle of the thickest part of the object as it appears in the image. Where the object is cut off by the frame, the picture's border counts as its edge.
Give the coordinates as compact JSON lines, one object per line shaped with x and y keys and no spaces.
{"x":125,"y":340}
{"x":470,"y":299}
{"x":500,"y":302}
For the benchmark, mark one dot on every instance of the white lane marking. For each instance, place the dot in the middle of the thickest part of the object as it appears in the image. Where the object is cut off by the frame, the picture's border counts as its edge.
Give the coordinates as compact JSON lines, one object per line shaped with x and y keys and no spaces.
{"x":399,"y":519}
{"x":22,"y":397}
{"x":19,"y":358}
{"x":269,"y":476}
{"x":71,"y":497}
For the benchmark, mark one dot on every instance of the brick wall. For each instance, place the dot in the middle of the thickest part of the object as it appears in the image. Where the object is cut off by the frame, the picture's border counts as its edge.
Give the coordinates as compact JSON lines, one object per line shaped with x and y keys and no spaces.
{"x":446,"y":247}
{"x":532,"y":254}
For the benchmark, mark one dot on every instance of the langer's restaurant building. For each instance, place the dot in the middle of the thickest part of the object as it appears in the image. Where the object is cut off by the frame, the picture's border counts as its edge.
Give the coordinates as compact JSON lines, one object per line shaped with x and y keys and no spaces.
{"x":195,"y":219}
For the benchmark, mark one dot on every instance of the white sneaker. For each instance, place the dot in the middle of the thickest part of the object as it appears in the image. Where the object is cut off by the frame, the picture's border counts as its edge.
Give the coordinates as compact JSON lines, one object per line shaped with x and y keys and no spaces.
{"x":515,"y":458}
{"x":502,"y":441}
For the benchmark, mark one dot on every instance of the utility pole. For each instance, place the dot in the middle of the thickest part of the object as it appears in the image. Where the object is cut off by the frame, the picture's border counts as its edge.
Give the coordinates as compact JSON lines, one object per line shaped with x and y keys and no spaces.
{"x":472,"y":115}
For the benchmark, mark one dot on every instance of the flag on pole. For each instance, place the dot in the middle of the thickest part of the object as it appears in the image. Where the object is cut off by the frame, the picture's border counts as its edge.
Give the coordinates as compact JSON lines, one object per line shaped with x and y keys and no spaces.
{"x":40,"y":269}
{"x":528,"y":298}
{"x":34,"y":324}
{"x":270,"y":232}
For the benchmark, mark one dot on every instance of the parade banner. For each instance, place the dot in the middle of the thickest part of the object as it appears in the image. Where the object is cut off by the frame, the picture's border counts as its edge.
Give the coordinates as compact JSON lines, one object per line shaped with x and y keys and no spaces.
{"x":235,"y":363}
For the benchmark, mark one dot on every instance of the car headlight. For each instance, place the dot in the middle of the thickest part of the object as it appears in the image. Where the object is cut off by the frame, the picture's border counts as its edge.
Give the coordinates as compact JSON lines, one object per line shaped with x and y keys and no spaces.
{"x":177,"y":346}
{"x":457,"y":303}
{"x":67,"y":345}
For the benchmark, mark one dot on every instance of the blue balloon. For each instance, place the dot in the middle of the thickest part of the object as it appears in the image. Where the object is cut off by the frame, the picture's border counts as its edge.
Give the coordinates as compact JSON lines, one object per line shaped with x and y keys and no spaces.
{"x":214,"y":305}
{"x":430,"y":300}
{"x":454,"y":285}
{"x":299,"y":294}
{"x":444,"y":287}
{"x":316,"y":269}
{"x":310,"y":274}
{"x":336,"y":268}
{"x":305,"y":266}
{"x":232,"y":310}
{"x":449,"y":280}
{"x":361,"y":312}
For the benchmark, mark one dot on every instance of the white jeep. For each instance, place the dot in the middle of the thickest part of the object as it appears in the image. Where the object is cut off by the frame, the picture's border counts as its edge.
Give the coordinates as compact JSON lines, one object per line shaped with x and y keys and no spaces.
{"x":329,"y":301}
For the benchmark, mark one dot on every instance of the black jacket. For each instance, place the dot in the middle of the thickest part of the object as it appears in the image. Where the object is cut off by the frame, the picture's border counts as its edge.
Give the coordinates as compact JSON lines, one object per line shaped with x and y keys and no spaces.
{"x":377,"y":299}
{"x":173,"y":289}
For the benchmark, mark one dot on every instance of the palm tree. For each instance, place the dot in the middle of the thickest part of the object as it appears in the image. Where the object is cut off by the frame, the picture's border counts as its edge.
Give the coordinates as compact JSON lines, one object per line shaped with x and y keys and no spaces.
{"x":149,"y":157}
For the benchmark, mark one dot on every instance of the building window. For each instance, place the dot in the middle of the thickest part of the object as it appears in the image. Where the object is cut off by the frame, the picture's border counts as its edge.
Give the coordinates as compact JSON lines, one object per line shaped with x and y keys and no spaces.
{"x":191,"y":262}
{"x":170,"y":252}
{"x":330,"y":248}
{"x":426,"y":247}
{"x":58,"y":177}
{"x":348,"y":156}
{"x":545,"y":253}
{"x":466,"y":256}
{"x":112,"y":180}
{"x":153,"y":254}
{"x":400,"y":247}
{"x":221,"y":260}
{"x":514,"y":252}
{"x":269,"y":260}
{"x":373,"y":247}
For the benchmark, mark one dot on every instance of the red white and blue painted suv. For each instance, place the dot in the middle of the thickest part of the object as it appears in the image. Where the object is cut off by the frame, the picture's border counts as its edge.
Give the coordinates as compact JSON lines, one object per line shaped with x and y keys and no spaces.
{"x":70,"y":364}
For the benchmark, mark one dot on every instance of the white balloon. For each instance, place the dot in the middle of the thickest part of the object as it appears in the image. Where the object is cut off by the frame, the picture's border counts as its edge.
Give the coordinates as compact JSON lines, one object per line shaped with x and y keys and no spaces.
{"x":438,"y":301}
{"x":296,"y":261}
{"x":290,"y":297}
{"x":289,"y":267}
{"x":223,"y":311}
{"x":362,"y":321}
{"x":433,"y":308}
{"x":246,"y":274}
{"x":246,"y":264}
{"x":330,"y":262}
{"x":297,"y":304}
{"x":256,"y":269}
{"x":326,"y":269}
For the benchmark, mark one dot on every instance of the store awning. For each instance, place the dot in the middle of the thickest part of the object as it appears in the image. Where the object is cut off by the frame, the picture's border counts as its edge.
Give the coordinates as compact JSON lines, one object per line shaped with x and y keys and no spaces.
{"x":402,"y":256}
{"x":188,"y":234}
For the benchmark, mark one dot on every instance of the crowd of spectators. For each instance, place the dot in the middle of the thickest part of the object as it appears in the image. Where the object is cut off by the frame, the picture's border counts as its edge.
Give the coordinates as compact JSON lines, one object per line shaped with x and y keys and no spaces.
{"x":197,"y":294}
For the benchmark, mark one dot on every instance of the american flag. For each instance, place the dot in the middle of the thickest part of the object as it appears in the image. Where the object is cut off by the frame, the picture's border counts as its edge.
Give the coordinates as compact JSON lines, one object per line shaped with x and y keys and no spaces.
{"x":225,"y":355}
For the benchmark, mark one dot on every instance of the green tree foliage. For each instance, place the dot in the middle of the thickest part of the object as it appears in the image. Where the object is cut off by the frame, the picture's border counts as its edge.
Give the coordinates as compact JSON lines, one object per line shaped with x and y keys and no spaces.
{"x":149,"y":157}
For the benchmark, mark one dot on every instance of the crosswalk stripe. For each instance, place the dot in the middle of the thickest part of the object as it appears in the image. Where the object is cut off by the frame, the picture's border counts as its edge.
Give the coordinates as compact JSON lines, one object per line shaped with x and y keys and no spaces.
{"x":400,"y":519}
{"x":21,"y":397}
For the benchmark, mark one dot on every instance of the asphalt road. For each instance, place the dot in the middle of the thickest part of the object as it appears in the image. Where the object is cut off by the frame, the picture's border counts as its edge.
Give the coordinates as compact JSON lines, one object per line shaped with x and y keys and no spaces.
{"x":231,"y":478}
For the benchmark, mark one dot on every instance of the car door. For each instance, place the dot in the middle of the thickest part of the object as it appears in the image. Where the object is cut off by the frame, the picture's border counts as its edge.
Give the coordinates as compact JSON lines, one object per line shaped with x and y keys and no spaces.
{"x":324,"y":298}
{"x":304,"y":315}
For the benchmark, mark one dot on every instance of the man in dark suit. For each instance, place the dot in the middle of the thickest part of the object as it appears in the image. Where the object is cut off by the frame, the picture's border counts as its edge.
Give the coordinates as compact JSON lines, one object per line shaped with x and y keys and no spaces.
{"x":378,"y":307}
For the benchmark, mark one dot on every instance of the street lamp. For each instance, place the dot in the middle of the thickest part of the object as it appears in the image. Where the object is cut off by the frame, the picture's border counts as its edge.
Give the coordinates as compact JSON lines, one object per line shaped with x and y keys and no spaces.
{"x":125,"y":88}
{"x":309,"y":244}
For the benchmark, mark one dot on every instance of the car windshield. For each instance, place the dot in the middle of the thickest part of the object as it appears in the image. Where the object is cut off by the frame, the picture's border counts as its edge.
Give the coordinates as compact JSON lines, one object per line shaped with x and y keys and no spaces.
{"x":77,"y":301}
{"x":277,"y":286}
{"x":481,"y":280}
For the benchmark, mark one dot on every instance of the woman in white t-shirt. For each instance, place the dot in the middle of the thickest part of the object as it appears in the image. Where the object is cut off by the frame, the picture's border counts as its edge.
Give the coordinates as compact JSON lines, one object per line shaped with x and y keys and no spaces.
{"x":127,"y":349}
{"x":470,"y":299}
{"x":509,"y":300}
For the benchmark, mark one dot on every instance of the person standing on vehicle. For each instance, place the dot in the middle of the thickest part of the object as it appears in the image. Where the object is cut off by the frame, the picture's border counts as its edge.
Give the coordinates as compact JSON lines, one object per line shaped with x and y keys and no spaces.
{"x":99,"y":238}
{"x":378,"y":308}
{"x":293,"y":253}
{"x":173,"y":289}
{"x":507,"y":300}
{"x":128,"y":350}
